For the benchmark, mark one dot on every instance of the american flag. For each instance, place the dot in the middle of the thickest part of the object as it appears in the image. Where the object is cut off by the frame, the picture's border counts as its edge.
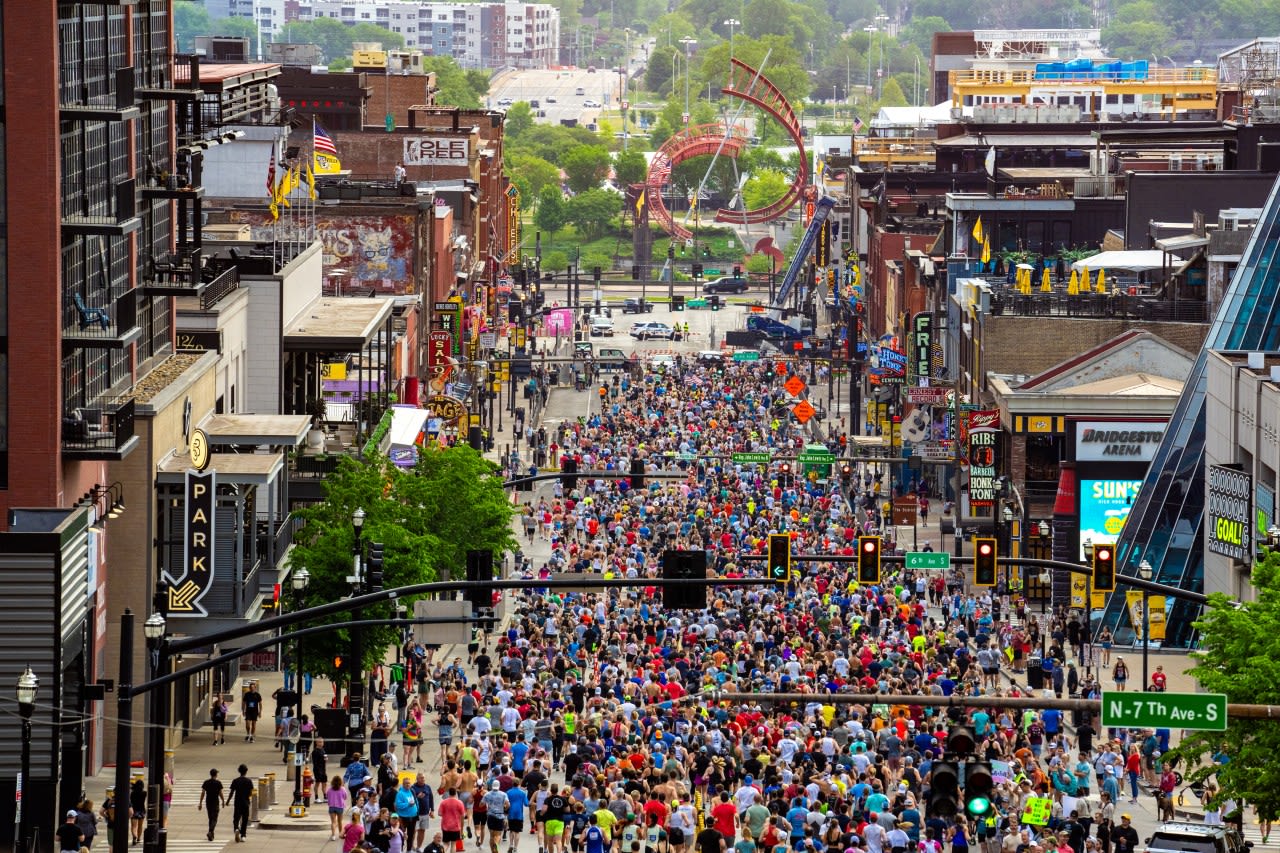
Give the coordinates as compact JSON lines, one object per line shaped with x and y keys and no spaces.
{"x":323,"y":142}
{"x":857,"y":124}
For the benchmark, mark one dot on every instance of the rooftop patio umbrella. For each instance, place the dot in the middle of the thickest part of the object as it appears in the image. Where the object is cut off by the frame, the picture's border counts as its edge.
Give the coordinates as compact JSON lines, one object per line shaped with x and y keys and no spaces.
{"x":1101,"y":284}
{"x":1073,"y":287}
{"x":1085,"y":284}
{"x":1046,"y":286}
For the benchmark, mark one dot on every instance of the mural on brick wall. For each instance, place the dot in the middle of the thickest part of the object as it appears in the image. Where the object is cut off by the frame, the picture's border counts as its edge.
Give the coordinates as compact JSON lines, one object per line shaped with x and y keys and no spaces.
{"x":376,"y":252}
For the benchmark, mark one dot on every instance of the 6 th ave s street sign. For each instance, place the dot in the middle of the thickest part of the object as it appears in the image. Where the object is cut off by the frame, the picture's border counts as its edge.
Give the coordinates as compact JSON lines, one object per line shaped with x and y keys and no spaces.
{"x":1201,"y":711}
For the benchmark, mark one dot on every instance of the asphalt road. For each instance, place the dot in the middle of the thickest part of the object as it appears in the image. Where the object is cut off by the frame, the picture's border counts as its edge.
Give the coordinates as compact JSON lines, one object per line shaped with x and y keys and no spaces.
{"x":557,"y":92}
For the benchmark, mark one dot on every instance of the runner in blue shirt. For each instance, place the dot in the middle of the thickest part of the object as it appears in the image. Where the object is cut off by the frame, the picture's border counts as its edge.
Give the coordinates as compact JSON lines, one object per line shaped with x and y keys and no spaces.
{"x":593,"y":836}
{"x":517,"y":802}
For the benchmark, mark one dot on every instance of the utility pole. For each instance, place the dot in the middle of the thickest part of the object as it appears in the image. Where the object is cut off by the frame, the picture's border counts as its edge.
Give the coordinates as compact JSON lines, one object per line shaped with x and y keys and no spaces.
{"x":688,"y":42}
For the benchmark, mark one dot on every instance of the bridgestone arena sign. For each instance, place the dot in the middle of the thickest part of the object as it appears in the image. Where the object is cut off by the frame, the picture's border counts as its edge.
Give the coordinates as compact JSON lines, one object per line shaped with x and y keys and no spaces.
{"x":1108,"y":441}
{"x":1230,"y":508}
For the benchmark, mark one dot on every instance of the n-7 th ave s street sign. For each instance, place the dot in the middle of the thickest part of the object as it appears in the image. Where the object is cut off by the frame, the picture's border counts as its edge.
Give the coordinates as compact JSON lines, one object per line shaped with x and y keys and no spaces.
{"x":1201,"y":711}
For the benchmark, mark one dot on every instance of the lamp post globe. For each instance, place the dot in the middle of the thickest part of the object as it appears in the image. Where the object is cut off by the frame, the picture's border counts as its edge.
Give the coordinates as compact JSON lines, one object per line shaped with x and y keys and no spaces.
{"x":357,"y":519}
{"x":301,"y":578}
{"x":28,"y":684}
{"x":153,"y":628}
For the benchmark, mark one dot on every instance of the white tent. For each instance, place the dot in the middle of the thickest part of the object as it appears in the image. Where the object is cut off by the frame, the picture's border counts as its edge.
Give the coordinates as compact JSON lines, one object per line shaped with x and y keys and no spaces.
{"x":1136,"y":261}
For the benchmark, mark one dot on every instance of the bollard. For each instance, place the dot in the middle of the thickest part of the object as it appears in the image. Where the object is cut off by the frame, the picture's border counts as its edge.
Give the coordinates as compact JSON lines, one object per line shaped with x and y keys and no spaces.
{"x":271,"y":787}
{"x":264,"y":798}
{"x":253,"y":806}
{"x":290,"y":768}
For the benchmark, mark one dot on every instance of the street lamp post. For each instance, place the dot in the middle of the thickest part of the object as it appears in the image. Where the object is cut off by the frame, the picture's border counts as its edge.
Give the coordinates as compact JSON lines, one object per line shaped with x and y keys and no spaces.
{"x":1145,"y":571}
{"x":28,"y":684}
{"x":356,"y":687}
{"x":883,"y":22}
{"x":1007,"y":545}
{"x":154,"y":632}
{"x":688,"y":42}
{"x":731,"y":24}
{"x":300,"y":580}
{"x":871,"y":34}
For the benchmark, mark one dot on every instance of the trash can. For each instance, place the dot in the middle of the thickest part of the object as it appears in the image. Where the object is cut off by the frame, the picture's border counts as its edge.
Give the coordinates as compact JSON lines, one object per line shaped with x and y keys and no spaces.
{"x":1035,"y":672}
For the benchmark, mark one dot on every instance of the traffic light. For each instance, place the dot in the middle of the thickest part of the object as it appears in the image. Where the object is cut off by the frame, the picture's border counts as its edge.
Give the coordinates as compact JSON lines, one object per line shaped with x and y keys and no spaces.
{"x":684,"y":565}
{"x":984,"y":562}
{"x":568,"y":467}
{"x":869,"y":559}
{"x":784,"y":474}
{"x":960,"y":741}
{"x":944,"y":789}
{"x":846,"y":472}
{"x":1104,"y":568}
{"x":779,"y":557}
{"x":637,"y":473}
{"x":978,"y":785}
{"x":479,"y":568}
{"x":337,"y":664}
{"x":696,"y":271}
{"x":373,"y":571}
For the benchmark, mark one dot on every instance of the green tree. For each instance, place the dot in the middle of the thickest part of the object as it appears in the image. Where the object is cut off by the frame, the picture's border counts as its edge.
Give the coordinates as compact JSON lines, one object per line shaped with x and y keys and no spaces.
{"x":659,"y":74}
{"x":455,"y":86}
{"x":764,"y":188}
{"x":518,"y":121}
{"x":552,"y":211}
{"x":377,"y":34}
{"x":236,"y":27}
{"x":921,"y":30}
{"x":555,"y":261}
{"x":892,"y":95}
{"x":585,"y":166}
{"x":1239,"y":655}
{"x":591,"y":213}
{"x":189,"y":20}
{"x":629,"y":167}
{"x":532,"y":174}
{"x":427,"y":519}
{"x":331,"y":35}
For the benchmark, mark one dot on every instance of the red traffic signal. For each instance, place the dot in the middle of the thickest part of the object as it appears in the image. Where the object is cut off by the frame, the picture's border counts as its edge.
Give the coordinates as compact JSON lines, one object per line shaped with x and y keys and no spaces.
{"x":984,"y":562}
{"x":1104,"y":568}
{"x":869,"y":559}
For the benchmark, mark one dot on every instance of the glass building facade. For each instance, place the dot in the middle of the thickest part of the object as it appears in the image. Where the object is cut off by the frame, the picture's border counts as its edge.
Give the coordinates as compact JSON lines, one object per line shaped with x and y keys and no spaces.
{"x":1166,"y":525}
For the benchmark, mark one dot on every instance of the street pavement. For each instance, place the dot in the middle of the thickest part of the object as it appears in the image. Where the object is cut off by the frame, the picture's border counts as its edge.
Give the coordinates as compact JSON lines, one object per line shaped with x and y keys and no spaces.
{"x":279,"y":833}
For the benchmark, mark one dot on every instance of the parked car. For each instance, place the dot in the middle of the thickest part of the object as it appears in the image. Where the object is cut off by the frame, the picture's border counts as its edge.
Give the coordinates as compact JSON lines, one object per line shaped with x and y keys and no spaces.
{"x":590,"y":103}
{"x":504,"y":102}
{"x":602,"y":327}
{"x":725,"y":284}
{"x":633,"y":305}
{"x":550,"y":99}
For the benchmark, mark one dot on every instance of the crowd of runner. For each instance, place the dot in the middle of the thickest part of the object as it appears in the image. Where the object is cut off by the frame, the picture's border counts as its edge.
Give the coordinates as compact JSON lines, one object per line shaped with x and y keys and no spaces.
{"x":586,"y":722}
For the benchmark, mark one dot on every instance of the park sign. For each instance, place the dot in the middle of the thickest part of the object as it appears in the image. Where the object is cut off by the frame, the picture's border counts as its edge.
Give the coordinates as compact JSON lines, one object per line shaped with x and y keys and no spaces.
{"x":1200,"y":711}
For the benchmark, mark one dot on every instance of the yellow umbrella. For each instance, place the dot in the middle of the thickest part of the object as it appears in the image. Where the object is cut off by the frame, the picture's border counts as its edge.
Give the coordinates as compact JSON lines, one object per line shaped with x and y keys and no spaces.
{"x":1045,"y":285}
{"x":1085,"y":284}
{"x":1073,"y":287}
{"x":1101,"y":284}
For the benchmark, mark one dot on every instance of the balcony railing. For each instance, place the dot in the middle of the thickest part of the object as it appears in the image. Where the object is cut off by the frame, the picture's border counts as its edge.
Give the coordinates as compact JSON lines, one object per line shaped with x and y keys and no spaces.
{"x":86,"y":322}
{"x":221,"y":284}
{"x":278,"y":542}
{"x":1111,"y":305}
{"x":102,"y":432}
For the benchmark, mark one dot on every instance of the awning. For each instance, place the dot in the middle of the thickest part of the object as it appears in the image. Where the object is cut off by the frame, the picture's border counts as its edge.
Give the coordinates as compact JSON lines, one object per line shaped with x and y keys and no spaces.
{"x":271,"y":430}
{"x":1133,"y":261}
{"x":338,"y":324}
{"x":257,"y":469}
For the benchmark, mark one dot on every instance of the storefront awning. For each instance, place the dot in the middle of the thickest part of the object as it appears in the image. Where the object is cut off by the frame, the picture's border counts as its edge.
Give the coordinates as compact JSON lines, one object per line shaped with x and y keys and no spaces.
{"x":257,"y":469}
{"x":338,"y":324}
{"x":271,"y":430}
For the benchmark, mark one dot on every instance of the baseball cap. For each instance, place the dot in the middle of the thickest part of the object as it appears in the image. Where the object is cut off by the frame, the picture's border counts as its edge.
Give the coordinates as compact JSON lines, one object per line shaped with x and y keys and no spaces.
{"x":71,"y":813}
{"x":495,"y":785}
{"x":1126,"y":817}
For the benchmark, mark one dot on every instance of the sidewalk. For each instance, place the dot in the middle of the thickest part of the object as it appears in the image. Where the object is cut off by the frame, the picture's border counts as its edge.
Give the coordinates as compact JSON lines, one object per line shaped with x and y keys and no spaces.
{"x":275,"y":830}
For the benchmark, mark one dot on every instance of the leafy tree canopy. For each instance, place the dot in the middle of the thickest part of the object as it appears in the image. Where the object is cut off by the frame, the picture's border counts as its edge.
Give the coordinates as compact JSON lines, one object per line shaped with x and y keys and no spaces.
{"x":764,"y":188}
{"x":629,"y":167}
{"x":552,"y":213}
{"x":189,"y":20}
{"x":1240,"y":656}
{"x":427,"y":518}
{"x":586,"y":166}
{"x":592,"y":212}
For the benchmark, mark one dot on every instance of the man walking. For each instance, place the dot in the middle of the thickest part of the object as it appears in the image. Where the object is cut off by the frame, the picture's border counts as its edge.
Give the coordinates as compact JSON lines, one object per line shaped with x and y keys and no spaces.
{"x":211,"y":792}
{"x":241,"y":793}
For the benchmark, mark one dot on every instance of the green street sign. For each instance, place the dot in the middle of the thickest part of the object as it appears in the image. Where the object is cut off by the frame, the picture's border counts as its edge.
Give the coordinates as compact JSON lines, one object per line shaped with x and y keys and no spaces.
{"x":1201,"y":711}
{"x":752,"y":458}
{"x":746,"y":355}
{"x":928,"y":560}
{"x":816,"y":458}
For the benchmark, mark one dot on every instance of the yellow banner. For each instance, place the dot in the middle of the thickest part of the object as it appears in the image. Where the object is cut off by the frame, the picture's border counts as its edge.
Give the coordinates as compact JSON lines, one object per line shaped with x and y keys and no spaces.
{"x":1133,"y":604}
{"x":1098,"y":600}
{"x":333,"y":370}
{"x":1079,"y":589}
{"x":1155,"y":604}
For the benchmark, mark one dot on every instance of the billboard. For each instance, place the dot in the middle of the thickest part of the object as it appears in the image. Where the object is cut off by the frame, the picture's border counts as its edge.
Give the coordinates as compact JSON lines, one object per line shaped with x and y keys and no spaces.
{"x":1229,"y":507}
{"x":1117,"y":441}
{"x":375,"y":252}
{"x":984,"y":444}
{"x":1104,"y":507}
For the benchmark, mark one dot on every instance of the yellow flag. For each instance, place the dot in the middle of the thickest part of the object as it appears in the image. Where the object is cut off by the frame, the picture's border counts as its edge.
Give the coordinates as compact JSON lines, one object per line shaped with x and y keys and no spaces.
{"x":311,"y":183}
{"x":639,"y":204}
{"x":978,"y":233}
{"x":326,"y":164}
{"x":986,"y":248}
